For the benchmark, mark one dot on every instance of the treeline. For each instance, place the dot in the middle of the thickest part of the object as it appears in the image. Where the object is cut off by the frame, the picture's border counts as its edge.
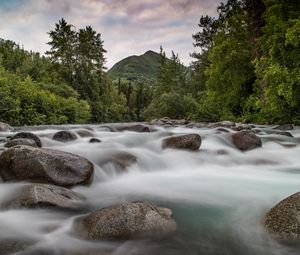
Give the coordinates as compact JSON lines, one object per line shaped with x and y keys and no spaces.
{"x":246,"y":67}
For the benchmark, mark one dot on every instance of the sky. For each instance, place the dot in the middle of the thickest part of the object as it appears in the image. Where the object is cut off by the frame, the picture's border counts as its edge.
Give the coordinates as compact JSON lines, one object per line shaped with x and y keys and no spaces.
{"x":127,"y":27}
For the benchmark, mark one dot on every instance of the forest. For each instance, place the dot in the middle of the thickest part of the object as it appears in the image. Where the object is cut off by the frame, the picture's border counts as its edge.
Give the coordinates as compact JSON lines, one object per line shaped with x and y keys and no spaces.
{"x":246,"y":67}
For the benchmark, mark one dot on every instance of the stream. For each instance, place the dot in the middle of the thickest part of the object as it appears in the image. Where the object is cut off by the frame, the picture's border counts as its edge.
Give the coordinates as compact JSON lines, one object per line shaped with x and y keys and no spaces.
{"x":218,"y":195}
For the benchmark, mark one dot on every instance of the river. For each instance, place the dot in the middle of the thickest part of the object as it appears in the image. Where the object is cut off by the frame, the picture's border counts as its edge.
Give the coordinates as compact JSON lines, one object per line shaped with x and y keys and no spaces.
{"x":218,"y":195}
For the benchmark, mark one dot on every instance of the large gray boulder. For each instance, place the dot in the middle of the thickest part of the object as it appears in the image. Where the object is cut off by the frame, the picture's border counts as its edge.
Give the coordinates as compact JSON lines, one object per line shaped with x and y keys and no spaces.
{"x":4,"y":127}
{"x":283,"y":220}
{"x":246,"y":140}
{"x":126,"y":221}
{"x":188,"y":142}
{"x":25,"y":163}
{"x":44,"y":195}
{"x":64,"y":136}
{"x":28,"y":135}
{"x":20,"y":141}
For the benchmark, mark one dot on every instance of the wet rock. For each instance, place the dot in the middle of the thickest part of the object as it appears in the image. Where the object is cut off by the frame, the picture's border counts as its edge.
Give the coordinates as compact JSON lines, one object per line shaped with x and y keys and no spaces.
{"x":44,"y":195}
{"x":84,"y":133}
{"x":3,"y":140}
{"x":285,"y":127}
{"x":135,"y":128}
{"x":225,"y":123}
{"x":189,"y":142}
{"x":25,"y":163}
{"x":9,"y":246}
{"x":4,"y":127}
{"x":94,"y":140}
{"x":28,"y":135}
{"x":242,"y":127}
{"x":246,"y":140}
{"x":20,"y":141}
{"x":283,"y":220}
{"x":126,"y":221}
{"x":64,"y":136}
{"x":223,"y":130}
{"x":285,"y":133}
{"x":165,"y":121}
{"x":121,"y":159}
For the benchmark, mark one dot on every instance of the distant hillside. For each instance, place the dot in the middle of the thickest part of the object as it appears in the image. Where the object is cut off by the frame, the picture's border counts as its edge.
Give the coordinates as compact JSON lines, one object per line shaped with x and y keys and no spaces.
{"x":138,"y":68}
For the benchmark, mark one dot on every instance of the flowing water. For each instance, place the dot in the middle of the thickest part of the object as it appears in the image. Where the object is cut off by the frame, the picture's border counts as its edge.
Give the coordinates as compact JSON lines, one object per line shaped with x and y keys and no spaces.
{"x":218,"y":195}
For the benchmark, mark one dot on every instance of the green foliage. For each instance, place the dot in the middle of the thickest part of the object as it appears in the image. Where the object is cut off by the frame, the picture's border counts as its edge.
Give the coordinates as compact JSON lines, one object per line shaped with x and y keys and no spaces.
{"x":173,"y":105}
{"x":23,"y":102}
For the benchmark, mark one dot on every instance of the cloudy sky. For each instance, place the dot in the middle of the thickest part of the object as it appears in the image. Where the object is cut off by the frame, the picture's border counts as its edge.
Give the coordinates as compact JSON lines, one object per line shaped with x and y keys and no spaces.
{"x":128,"y":27}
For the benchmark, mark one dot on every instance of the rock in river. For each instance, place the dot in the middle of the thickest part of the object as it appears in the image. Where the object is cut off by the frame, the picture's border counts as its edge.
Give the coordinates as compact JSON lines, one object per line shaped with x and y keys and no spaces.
{"x":283,"y":220}
{"x":64,"y":136}
{"x":135,"y":128}
{"x":189,"y":142}
{"x":44,"y":195}
{"x":20,"y":141}
{"x":25,"y":163}
{"x":126,"y":221}
{"x":28,"y":135}
{"x":246,"y":140}
{"x":4,"y":127}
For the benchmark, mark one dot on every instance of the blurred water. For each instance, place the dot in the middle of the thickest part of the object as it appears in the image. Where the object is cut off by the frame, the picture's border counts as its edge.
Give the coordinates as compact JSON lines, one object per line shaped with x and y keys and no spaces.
{"x":218,"y":194}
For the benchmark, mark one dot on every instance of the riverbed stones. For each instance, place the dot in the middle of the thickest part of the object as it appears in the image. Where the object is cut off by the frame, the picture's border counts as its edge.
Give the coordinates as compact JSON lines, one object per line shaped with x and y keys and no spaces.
{"x":84,"y":133}
{"x":126,"y":221}
{"x":28,"y":135}
{"x":285,"y":127}
{"x":246,"y":140}
{"x":94,"y":140}
{"x":20,"y":141}
{"x":25,"y":163}
{"x":283,"y":220}
{"x":44,"y":195}
{"x":135,"y":128}
{"x":64,"y":136}
{"x":4,"y":127}
{"x":187,"y":142}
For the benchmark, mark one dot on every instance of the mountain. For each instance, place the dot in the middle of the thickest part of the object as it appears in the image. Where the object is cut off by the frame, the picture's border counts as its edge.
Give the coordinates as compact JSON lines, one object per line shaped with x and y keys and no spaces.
{"x":141,"y":68}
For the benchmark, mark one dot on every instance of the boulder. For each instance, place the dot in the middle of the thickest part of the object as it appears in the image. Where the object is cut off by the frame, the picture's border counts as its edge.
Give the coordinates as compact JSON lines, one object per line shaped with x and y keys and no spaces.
{"x":283,"y":220}
{"x":121,"y":159}
{"x":44,"y":195}
{"x":246,"y":140}
{"x":25,"y":163}
{"x":4,"y":127}
{"x":9,"y":246}
{"x":126,"y":221}
{"x":20,"y":141}
{"x":188,"y":142}
{"x":135,"y":128}
{"x":64,"y":136}
{"x":84,"y":133}
{"x":285,"y":127}
{"x":94,"y":140}
{"x":28,"y":135}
